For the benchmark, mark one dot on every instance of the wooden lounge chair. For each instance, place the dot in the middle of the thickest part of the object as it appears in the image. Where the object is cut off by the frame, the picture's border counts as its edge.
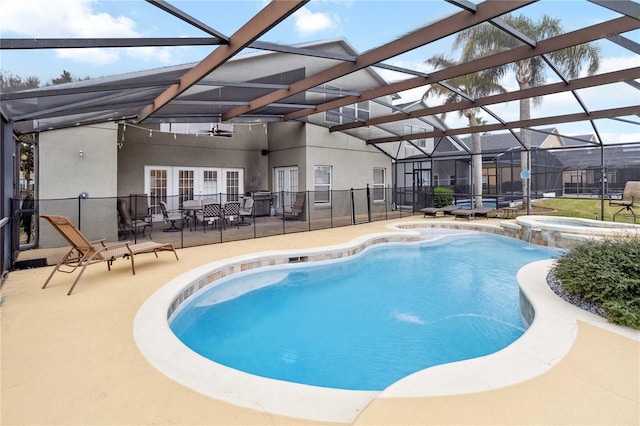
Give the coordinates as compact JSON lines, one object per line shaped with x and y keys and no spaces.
{"x":84,"y":252}
{"x":630,"y":196}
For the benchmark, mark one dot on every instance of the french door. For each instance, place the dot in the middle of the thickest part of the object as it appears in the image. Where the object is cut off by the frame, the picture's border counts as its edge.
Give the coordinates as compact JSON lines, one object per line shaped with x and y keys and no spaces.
{"x":286,"y":186}
{"x":175,"y":184}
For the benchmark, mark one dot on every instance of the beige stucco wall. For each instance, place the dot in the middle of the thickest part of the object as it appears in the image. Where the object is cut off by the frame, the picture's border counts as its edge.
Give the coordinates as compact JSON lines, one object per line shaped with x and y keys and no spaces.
{"x":64,"y":174}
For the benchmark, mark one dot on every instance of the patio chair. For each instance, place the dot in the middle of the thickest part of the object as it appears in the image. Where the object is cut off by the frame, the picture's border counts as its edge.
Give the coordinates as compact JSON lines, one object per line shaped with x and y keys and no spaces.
{"x":84,"y":252}
{"x":295,"y":210}
{"x":246,"y":211}
{"x":172,"y":216}
{"x":630,"y":196}
{"x":127,"y":225}
{"x":231,"y":211}
{"x":190,"y":209}
{"x":139,"y":207}
{"x":209,"y":214}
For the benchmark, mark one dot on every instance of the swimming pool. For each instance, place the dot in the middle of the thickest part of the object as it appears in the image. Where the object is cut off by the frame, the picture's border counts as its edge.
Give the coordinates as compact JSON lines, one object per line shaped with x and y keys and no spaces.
{"x":412,"y":307}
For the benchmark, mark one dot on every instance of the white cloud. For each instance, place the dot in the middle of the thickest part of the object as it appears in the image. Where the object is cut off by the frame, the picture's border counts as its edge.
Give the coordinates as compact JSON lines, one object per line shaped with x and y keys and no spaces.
{"x":67,"y":18}
{"x":75,"y":19}
{"x":308,"y":22}
{"x":621,"y":137}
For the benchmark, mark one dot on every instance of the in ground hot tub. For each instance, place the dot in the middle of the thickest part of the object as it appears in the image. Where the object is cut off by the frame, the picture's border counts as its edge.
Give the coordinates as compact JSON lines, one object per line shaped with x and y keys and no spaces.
{"x":564,"y":232}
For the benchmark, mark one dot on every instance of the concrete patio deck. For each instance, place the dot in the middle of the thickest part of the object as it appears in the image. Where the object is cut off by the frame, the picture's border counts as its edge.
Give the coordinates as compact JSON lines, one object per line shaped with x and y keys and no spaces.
{"x":73,"y":359}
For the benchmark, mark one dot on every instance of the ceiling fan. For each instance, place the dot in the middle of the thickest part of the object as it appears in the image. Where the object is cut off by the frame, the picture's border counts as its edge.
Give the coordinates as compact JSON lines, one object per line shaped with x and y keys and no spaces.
{"x":218,"y":129}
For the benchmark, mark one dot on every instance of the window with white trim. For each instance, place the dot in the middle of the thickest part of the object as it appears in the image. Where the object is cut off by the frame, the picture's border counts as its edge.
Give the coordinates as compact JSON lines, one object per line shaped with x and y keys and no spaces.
{"x":427,"y":144}
{"x":233,"y":185}
{"x":322,"y":186}
{"x":359,"y":111}
{"x":379,"y":184}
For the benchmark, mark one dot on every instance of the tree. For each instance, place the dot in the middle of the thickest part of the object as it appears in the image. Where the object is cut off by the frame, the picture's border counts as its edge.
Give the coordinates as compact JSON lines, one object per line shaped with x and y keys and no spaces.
{"x":475,"y":85}
{"x":486,"y":39}
{"x":11,"y":83}
{"x":65,"y":77}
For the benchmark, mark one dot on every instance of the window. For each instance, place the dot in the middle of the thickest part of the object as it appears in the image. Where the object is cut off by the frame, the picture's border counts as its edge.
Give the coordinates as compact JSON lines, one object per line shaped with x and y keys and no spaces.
{"x":233,"y":185}
{"x":210,"y":181}
{"x":323,"y":184}
{"x":185,"y":184}
{"x":427,"y":144}
{"x":378,"y":184}
{"x":347,"y":114}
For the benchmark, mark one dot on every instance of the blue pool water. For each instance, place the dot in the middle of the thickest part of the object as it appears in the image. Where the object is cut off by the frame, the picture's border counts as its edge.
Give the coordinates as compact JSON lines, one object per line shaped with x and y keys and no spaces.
{"x":364,"y":323}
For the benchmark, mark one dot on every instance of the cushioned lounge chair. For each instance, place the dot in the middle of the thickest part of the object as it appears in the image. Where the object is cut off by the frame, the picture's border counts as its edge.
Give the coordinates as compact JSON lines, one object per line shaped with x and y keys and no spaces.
{"x":84,"y":252}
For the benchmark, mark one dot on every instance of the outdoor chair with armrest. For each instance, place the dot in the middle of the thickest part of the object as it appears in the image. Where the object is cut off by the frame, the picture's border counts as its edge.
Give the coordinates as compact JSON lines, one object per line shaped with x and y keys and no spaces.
{"x":295,"y":210}
{"x":128,"y":224}
{"x":209,"y":214}
{"x":246,"y":211}
{"x":140,"y":209}
{"x":190,"y":210}
{"x":630,"y":196}
{"x":84,"y":252}
{"x":172,"y":216}
{"x":231,"y":211}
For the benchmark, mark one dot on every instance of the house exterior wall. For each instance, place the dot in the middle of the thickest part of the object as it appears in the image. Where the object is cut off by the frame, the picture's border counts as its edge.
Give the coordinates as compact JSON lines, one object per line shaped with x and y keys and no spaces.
{"x":552,"y":141}
{"x":287,"y":148}
{"x":64,"y":174}
{"x":142,"y":146}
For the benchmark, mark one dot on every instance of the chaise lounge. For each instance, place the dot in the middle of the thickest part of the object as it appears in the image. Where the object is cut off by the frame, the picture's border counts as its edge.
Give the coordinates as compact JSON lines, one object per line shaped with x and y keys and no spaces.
{"x":473,"y":213}
{"x":84,"y":252}
{"x":433,"y":211}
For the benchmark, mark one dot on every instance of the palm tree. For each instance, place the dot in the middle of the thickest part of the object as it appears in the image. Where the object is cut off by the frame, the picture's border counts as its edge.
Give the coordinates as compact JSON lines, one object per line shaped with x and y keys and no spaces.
{"x":474,"y":85}
{"x":486,"y":39}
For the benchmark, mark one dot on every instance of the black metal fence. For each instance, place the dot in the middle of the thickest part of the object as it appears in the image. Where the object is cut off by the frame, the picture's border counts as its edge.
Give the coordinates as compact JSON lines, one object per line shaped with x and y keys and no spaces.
{"x":187,"y":225}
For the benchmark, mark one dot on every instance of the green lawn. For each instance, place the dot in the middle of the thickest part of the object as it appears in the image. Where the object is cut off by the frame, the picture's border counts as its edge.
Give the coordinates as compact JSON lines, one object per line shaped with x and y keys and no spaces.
{"x":581,"y":207}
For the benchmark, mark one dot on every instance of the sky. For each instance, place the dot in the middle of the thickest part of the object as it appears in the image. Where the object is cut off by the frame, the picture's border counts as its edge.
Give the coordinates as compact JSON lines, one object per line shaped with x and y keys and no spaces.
{"x":364,"y":24}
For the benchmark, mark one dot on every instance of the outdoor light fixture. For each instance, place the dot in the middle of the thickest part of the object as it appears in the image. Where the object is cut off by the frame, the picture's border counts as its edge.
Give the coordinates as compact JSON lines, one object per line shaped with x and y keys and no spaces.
{"x":81,"y":153}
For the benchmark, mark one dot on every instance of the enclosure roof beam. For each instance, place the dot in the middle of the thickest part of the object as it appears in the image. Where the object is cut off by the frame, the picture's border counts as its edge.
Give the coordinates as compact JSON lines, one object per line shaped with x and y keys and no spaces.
{"x":161,"y":4}
{"x":519,"y":124}
{"x":450,"y":25}
{"x":271,"y":15}
{"x":584,"y":35}
{"x":90,"y":43}
{"x":532,"y":92}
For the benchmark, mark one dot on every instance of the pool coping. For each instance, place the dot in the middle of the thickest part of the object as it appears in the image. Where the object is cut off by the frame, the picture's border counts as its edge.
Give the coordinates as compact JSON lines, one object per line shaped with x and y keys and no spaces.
{"x":547,"y":340}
